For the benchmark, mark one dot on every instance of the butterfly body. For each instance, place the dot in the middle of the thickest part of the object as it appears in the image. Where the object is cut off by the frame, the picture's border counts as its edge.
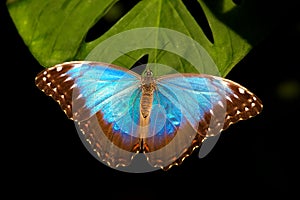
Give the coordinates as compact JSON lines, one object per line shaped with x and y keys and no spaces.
{"x":148,"y":87}
{"x":121,"y":113}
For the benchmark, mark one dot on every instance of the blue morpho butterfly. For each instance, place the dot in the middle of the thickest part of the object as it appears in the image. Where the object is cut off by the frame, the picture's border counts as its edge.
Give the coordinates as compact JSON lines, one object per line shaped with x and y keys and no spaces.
{"x":122,"y":113}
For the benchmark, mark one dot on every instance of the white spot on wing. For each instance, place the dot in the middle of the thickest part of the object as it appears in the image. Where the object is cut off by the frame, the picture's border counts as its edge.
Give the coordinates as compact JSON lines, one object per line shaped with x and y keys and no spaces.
{"x":79,"y":96}
{"x":67,"y":79}
{"x":64,"y":74}
{"x":241,"y":90}
{"x":228,"y":98}
{"x":44,"y":78}
{"x":78,"y":64}
{"x":89,"y":141}
{"x":221,"y":104}
{"x":74,"y":85}
{"x":98,"y":154}
{"x":59,"y":68}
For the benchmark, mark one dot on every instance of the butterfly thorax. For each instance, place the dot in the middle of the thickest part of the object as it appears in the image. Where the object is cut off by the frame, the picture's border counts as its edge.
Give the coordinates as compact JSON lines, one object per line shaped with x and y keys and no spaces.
{"x":148,"y":86}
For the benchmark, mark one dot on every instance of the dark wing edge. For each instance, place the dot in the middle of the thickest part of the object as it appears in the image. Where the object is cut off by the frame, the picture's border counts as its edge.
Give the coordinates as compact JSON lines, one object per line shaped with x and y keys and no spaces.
{"x":55,"y":83}
{"x":241,"y":105}
{"x":106,"y":147}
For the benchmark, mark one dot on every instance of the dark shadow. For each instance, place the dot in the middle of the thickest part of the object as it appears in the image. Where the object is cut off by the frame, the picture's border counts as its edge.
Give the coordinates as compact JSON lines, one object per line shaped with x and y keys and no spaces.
{"x":197,"y":12}
{"x":142,"y":61}
{"x":115,"y":13}
{"x":253,"y":19}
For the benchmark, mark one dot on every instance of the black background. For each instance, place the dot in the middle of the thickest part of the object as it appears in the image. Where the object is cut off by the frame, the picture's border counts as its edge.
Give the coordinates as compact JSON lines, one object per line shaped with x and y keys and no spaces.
{"x":43,"y":152}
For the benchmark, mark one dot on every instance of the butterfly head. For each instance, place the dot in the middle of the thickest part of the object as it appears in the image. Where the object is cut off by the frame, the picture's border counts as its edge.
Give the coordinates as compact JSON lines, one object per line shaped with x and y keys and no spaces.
{"x":148,"y":73}
{"x":147,"y":78}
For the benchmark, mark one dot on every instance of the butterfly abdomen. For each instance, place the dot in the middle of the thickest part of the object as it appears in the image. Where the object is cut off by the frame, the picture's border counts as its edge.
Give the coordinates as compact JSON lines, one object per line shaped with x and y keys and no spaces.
{"x":146,"y":100}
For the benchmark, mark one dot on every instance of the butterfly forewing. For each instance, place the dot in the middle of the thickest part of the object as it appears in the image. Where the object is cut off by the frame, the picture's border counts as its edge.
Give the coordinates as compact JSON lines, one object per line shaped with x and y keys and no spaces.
{"x":241,"y":103}
{"x":206,"y":96}
{"x":54,"y":82}
{"x":81,"y":87}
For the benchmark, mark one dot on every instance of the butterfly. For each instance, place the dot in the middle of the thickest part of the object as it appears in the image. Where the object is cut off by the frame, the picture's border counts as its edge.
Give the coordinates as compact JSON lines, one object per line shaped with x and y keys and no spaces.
{"x":121,"y":113}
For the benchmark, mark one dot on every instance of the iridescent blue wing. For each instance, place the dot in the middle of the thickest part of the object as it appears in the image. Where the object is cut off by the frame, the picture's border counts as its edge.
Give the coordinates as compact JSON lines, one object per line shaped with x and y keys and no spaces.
{"x":191,"y":108}
{"x":103,"y":100}
{"x":83,"y":88}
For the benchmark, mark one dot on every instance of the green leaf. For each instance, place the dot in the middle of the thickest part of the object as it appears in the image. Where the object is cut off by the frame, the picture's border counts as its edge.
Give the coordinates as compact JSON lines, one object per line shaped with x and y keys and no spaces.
{"x":55,"y":31}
